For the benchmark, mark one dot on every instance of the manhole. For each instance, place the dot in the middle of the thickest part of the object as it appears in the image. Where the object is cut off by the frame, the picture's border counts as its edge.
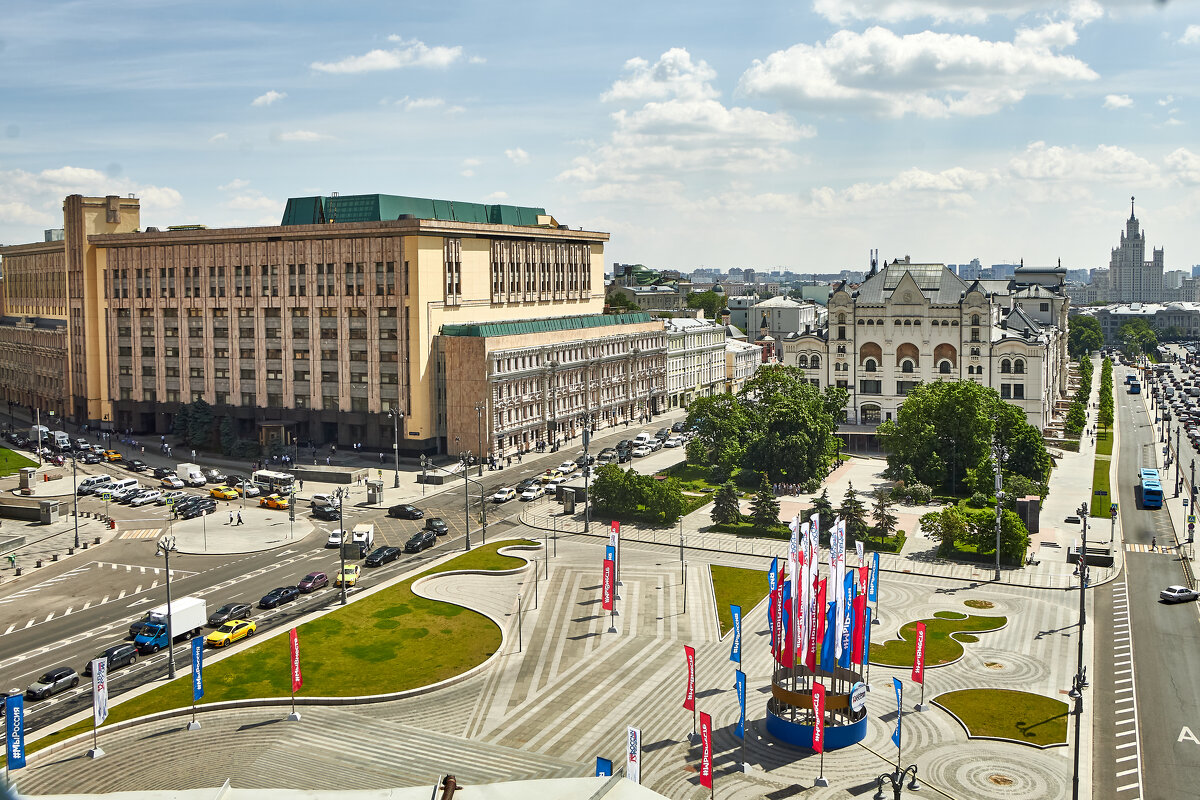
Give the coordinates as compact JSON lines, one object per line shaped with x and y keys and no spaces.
{"x":993,"y":665}
{"x":1001,"y":780}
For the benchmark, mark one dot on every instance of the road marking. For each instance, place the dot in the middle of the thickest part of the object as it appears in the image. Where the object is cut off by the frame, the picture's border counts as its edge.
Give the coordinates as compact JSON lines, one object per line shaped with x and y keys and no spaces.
{"x":49,"y":617}
{"x":121,"y":595}
{"x":1125,"y":758}
{"x":1126,"y":772}
{"x":30,"y":623}
{"x":1127,"y":787}
{"x":10,"y":629}
{"x":72,"y":608}
{"x":1126,"y":746}
{"x":105,"y":600}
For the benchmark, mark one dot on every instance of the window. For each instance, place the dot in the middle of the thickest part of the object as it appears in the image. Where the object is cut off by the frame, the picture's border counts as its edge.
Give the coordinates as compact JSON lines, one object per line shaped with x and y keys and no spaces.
{"x":815,"y":362}
{"x":975,"y":352}
{"x":974,"y":319}
{"x":904,"y":387}
{"x":1005,"y":366}
{"x":802,"y":361}
{"x":842,"y":332}
{"x":906,"y":366}
{"x":452,"y":269}
{"x":1045,"y":307}
{"x":870,"y":387}
{"x":944,"y":367}
{"x":1019,"y":366}
{"x":1018,"y":391}
{"x":869,"y":365}
{"x":1005,"y":391}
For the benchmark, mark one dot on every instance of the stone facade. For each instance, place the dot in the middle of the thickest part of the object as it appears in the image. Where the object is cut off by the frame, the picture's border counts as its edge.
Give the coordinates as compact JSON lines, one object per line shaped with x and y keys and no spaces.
{"x":695,"y":360}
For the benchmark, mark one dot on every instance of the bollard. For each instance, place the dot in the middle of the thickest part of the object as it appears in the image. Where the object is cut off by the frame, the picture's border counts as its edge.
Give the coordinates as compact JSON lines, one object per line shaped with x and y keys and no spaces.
{"x":114,"y":524}
{"x":54,"y":557}
{"x":18,"y":572}
{"x":70,"y":551}
{"x":85,"y":545}
{"x":38,"y":565}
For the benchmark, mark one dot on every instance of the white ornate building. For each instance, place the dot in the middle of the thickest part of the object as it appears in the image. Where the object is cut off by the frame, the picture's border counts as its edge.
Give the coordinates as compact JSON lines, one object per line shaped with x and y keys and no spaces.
{"x":695,"y":359}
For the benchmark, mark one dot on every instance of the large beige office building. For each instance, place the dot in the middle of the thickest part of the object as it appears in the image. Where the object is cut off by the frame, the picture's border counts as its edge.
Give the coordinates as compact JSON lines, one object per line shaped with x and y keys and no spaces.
{"x":317,"y":329}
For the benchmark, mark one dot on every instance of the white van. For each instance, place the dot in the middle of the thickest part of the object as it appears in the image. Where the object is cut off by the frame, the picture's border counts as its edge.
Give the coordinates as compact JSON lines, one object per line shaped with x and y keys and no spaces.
{"x":114,"y":487}
{"x":88,"y":484}
{"x":364,"y":535}
{"x":642,"y":438}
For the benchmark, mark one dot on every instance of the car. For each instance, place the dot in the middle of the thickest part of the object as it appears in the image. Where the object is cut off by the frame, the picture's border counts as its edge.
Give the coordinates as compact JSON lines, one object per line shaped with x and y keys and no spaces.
{"x":655,"y":444}
{"x":162,"y":472}
{"x":52,"y":682}
{"x":406,"y":511}
{"x":525,"y":484}
{"x":230,"y":632}
{"x":313,"y":581}
{"x":624,"y":456}
{"x":337,"y":537}
{"x":625,"y":444}
{"x":437,"y":525}
{"x":677,"y":427}
{"x":246,"y":488}
{"x":213,"y":475}
{"x":136,"y":465}
{"x":171,"y":482}
{"x":421,"y":540}
{"x":642,"y":450}
{"x":608,"y":452}
{"x":567,"y":467}
{"x":585,"y":460}
{"x":117,"y":656}
{"x":549,"y":475}
{"x":90,"y":458}
{"x":112,"y":455}
{"x":324,"y":500}
{"x":200,"y":506}
{"x":146,"y":497}
{"x":174,"y":498}
{"x":533,"y":493}
{"x":1178,"y":594}
{"x":125,"y":495}
{"x":279,"y":596}
{"x":274,"y":501}
{"x":223,"y":493}
{"x":328,"y":513}
{"x":229,"y":611}
{"x":381,"y":556}
{"x":504,"y":495}
{"x":673,"y":441}
{"x":554,"y":483}
{"x":348,"y":576}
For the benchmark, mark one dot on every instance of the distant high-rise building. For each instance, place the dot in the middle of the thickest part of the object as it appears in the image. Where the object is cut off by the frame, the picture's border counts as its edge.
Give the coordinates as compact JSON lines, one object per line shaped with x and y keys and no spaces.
{"x":1131,"y":278}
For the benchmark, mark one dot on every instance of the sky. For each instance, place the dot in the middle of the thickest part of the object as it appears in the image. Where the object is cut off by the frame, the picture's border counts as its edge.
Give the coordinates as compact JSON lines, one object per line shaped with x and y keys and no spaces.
{"x":796,"y":135}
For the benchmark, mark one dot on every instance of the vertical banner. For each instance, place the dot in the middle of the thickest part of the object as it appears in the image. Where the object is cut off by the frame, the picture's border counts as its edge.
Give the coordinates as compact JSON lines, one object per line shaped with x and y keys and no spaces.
{"x":899,"y":710}
{"x":873,"y":581}
{"x":614,"y":540}
{"x":787,"y":627}
{"x":610,"y":553}
{"x":735,"y":653}
{"x":739,"y":683}
{"x":603,"y":767}
{"x":197,"y":668}
{"x":806,"y":559}
{"x":867,"y":637}
{"x":706,"y":754}
{"x":858,"y":551}
{"x":773,"y":606}
{"x":818,"y":736}
{"x":609,"y":578}
{"x":864,"y":579}
{"x":822,"y":599}
{"x":689,"y":700}
{"x":918,"y":670}
{"x":860,"y":620}
{"x":838,"y":553}
{"x":828,"y":644}
{"x":14,"y":727}
{"x":100,"y":690}
{"x":633,"y":755}
{"x":297,"y":678}
{"x":773,"y":575}
{"x":846,"y":622}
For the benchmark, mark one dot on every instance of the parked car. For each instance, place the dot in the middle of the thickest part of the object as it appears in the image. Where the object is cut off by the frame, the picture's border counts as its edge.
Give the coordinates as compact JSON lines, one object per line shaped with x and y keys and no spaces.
{"x":421,"y":540}
{"x":549,"y":475}
{"x":504,"y":495}
{"x":223,"y":493}
{"x":117,"y":656}
{"x":162,"y":472}
{"x":246,"y":488}
{"x":655,"y":444}
{"x":53,"y":682}
{"x":1178,"y":594}
{"x":136,"y":465}
{"x":145,"y":497}
{"x":279,"y":596}
{"x":328,"y":513}
{"x":274,"y":501}
{"x":525,"y":484}
{"x":533,"y":492}
{"x":437,"y":525}
{"x":348,"y":576}
{"x":642,"y":450}
{"x":230,"y":632}
{"x":677,"y":427}
{"x":567,"y":467}
{"x":382,"y":555}
{"x":213,"y":475}
{"x":313,"y":581}
{"x":202,"y":505}
{"x":228,"y":612}
{"x":112,"y":455}
{"x":171,"y":482}
{"x":673,"y":441}
{"x":89,"y":458}
{"x":406,"y":511}
{"x":624,"y":456}
{"x":127,"y":494}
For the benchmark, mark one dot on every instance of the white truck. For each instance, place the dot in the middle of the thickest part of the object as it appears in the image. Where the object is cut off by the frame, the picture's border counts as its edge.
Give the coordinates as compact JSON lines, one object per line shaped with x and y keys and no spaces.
{"x":60,"y":441}
{"x":190,"y":474}
{"x":364,"y":536}
{"x":188,"y":617}
{"x":39,"y":435}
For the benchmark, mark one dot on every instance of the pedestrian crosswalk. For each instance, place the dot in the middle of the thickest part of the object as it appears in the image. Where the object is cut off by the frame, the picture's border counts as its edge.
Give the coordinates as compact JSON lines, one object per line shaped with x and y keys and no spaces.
{"x":1143,"y":548}
{"x":143,"y":533}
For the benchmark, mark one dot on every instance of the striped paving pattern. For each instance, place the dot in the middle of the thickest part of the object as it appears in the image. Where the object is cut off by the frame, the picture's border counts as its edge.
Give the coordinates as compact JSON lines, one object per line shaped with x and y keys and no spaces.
{"x":144,"y":533}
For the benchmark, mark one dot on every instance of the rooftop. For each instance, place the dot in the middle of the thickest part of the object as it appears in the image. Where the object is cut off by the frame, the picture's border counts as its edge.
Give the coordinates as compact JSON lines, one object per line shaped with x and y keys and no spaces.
{"x":380,"y":207}
{"x":549,"y":325}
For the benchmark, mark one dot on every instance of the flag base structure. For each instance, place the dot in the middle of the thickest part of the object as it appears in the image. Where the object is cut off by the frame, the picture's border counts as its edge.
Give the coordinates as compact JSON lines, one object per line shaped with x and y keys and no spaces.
{"x":294,"y":716}
{"x":194,"y":725}
{"x":920,"y":707}
{"x":821,"y":781}
{"x":95,"y":752}
{"x":746,"y":767}
{"x":790,"y":709}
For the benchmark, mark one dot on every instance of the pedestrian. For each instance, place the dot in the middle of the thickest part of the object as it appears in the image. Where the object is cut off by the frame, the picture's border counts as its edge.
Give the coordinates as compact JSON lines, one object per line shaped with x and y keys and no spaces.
{"x":239,"y":518}
{"x":301,"y":482}
{"x":327,"y":461}
{"x":380,"y":456}
{"x":1154,"y":543}
{"x":193,"y":455}
{"x":230,"y":517}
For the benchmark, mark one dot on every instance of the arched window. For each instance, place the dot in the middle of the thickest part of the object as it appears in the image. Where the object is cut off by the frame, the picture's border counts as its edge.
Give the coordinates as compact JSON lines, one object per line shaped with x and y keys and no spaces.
{"x":870,"y":414}
{"x":1005,"y":366}
{"x":906,"y":367}
{"x":1019,"y":366}
{"x":815,"y":362}
{"x":975,"y":352}
{"x":974,"y":319}
{"x":870,"y":322}
{"x":841,"y":319}
{"x":860,"y":322}
{"x":897,"y":322}
{"x":869,"y":365}
{"x":944,"y":367}
{"x":802,"y":361}
{"x":908,"y":322}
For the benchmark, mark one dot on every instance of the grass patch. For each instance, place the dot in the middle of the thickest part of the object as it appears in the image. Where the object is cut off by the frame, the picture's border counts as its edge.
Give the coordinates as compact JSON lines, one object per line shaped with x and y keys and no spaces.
{"x":1008,"y":714}
{"x":981,"y":604}
{"x":1101,"y":499}
{"x":1104,"y":443}
{"x":941,"y":644}
{"x":11,"y":461}
{"x":736,"y":586}
{"x":420,"y":641}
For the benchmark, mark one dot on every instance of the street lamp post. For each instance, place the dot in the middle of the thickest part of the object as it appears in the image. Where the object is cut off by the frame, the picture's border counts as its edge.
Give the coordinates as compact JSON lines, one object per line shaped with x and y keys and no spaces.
{"x":75,"y":491}
{"x":587,"y":474}
{"x":396,"y":417}
{"x":1079,"y":682}
{"x":896,"y":778}
{"x":463,"y":459}
{"x":479,"y":434}
{"x":999,"y":458}
{"x":166,"y":546}
{"x":341,"y":496}
{"x":1177,"y":476}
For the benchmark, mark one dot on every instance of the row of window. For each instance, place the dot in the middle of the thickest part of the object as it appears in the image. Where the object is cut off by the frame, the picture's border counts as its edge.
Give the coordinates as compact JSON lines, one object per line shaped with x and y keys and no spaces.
{"x":265,"y":280}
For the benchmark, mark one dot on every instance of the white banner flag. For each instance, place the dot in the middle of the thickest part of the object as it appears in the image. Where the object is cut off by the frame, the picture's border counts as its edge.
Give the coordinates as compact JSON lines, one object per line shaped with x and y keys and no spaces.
{"x":858,"y":549}
{"x":633,"y":755}
{"x":100,"y":690}
{"x":837,"y":558}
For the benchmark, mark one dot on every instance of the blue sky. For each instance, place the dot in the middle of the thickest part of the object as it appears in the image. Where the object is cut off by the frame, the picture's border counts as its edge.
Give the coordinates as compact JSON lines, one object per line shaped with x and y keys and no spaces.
{"x":798,"y":134}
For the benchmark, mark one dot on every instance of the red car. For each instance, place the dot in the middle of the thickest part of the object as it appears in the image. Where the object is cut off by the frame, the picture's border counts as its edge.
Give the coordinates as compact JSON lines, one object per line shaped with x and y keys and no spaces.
{"x":313,"y":581}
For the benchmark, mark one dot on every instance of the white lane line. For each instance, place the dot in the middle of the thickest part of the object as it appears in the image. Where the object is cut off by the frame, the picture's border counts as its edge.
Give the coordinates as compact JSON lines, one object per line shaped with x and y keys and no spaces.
{"x":30,"y":623}
{"x":122,"y":594}
{"x":1127,"y":787}
{"x":139,"y":589}
{"x":1123,"y":680}
{"x":86,"y":606}
{"x":155,"y":583}
{"x":10,"y":629}
{"x":1127,"y":745}
{"x":105,"y":600}
{"x":50,"y":616}
{"x":1121,"y":774}
{"x":72,"y":608}
{"x":1125,"y":758}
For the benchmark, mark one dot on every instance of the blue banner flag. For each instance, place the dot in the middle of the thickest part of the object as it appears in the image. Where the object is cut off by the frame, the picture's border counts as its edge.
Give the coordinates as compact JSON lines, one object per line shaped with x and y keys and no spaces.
{"x":739,"y":682}
{"x":773,"y":578}
{"x":899,"y":710}
{"x":197,"y":668}
{"x":850,"y":586}
{"x":735,"y":654}
{"x":603,"y":766}
{"x":610,"y":553}
{"x":873,"y":579}
{"x":867,"y":636}
{"x":14,"y":726}
{"x":828,"y":656}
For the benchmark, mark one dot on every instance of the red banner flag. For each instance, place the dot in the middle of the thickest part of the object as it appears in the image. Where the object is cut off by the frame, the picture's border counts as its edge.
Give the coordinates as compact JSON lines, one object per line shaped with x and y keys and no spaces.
{"x":860,"y":619}
{"x":818,"y":698}
{"x":821,"y":610}
{"x":616,"y":527}
{"x":918,"y":671}
{"x":810,"y":655}
{"x":297,"y":678}
{"x":864,"y":577}
{"x":689,"y":701}
{"x":607,"y":589}
{"x":706,"y":754}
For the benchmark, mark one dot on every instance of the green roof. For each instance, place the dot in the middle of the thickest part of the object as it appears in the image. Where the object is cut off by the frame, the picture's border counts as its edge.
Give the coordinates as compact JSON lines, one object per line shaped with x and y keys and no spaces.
{"x":380,"y":207}
{"x":544,"y":325}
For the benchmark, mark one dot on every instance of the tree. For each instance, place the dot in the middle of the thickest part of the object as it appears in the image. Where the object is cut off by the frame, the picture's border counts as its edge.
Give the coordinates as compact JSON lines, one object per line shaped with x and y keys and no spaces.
{"x":1084,"y":335}
{"x":824,"y":509}
{"x":1137,"y":337}
{"x":726,"y":509}
{"x":854,"y":513}
{"x":181,"y":422}
{"x":617,"y":302}
{"x":948,"y":526}
{"x":710,"y":301}
{"x":611,"y":491}
{"x":1076,"y":419}
{"x":229,"y":437}
{"x":200,"y":424}
{"x":663,"y":498}
{"x":885,"y":520}
{"x":764,"y":508}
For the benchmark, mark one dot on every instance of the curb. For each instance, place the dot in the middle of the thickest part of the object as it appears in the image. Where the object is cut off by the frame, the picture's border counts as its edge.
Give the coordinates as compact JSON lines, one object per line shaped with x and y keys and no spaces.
{"x":970,"y":735}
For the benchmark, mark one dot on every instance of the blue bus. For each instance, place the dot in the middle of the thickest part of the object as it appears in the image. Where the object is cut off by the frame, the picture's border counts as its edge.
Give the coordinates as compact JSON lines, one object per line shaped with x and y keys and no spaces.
{"x":1135,"y":387}
{"x":1151,"y":488}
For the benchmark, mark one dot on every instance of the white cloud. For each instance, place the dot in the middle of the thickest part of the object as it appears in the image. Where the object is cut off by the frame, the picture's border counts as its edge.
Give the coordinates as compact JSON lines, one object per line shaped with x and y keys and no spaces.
{"x":1191,"y":35}
{"x":407,"y":53}
{"x":234,"y":185}
{"x":947,"y":189}
{"x":673,"y":75}
{"x":476,"y":60}
{"x":419,"y":103}
{"x":517,"y":156}
{"x":218,"y":137}
{"x":1184,"y":166}
{"x":1114,"y":101}
{"x":26,"y":215}
{"x":1172,"y":121}
{"x":253,"y":201}
{"x":926,"y":74}
{"x":1040,"y":162}
{"x":268,"y":98}
{"x":973,"y":11}
{"x":1168,"y":100}
{"x":469,"y":165}
{"x":41,"y":193}
{"x":303,"y":136}
{"x":496,"y":197}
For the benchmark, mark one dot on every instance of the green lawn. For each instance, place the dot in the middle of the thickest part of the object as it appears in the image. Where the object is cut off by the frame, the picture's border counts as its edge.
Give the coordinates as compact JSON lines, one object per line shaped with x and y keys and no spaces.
{"x":12,"y":461}
{"x":1104,"y":443}
{"x":1100,"y":502}
{"x":1009,"y":714}
{"x":941,"y":644}
{"x":739,"y":587}
{"x":388,"y":642}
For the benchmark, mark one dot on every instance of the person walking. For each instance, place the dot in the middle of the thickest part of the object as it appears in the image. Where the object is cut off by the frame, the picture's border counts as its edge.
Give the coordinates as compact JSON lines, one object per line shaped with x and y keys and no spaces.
{"x":239,"y":518}
{"x":230,"y":517}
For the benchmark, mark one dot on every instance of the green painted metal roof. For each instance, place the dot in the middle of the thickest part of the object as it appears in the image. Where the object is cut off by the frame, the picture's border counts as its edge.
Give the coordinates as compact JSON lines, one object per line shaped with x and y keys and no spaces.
{"x":379,"y":207}
{"x":544,"y":325}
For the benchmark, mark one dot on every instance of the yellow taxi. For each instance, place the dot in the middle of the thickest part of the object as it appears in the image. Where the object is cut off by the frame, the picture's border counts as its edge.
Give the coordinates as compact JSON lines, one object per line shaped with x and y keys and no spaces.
{"x":273,"y":501}
{"x":549,"y":475}
{"x":348,"y":575}
{"x":230,"y":632}
{"x":112,"y":455}
{"x":223,"y":493}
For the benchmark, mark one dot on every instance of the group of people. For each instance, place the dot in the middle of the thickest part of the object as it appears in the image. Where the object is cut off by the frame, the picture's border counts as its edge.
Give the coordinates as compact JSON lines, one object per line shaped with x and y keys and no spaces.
{"x":787,"y":489}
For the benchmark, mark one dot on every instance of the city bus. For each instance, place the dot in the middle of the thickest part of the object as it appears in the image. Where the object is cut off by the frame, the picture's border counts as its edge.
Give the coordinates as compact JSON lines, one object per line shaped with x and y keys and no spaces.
{"x":1150,"y":488}
{"x":272,"y":482}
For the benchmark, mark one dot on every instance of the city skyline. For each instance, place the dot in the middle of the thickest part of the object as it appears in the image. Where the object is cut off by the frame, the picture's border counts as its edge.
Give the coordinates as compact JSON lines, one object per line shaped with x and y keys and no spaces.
{"x":699,"y":137}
